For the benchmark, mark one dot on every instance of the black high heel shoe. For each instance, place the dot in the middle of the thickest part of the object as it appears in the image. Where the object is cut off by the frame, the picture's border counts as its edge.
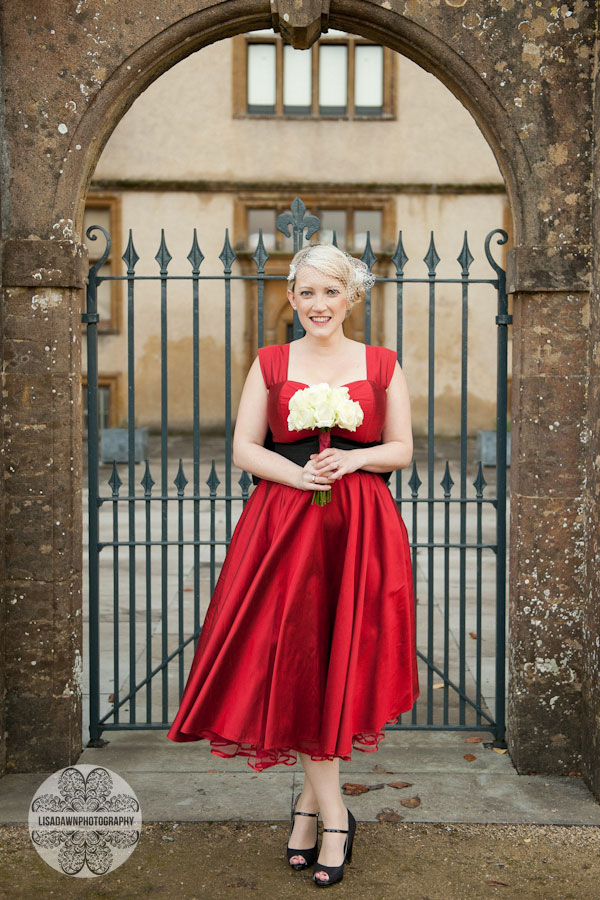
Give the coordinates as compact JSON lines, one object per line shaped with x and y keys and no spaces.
{"x":309,"y":854}
{"x":336,"y":873}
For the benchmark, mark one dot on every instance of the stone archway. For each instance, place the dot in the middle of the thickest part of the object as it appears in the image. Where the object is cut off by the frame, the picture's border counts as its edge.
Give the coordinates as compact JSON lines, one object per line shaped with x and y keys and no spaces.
{"x":509,"y":72}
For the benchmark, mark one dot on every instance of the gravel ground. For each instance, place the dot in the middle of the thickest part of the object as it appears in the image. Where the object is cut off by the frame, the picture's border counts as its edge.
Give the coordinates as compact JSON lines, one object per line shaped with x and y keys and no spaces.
{"x":191,"y":861}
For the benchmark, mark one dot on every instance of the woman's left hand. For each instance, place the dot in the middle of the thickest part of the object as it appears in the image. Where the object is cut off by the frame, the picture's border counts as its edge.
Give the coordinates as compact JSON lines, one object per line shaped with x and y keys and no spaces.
{"x":335,"y":463}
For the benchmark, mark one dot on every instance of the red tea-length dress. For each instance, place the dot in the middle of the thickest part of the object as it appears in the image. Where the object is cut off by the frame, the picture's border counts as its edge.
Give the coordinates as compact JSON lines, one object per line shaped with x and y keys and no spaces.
{"x":308,"y":643}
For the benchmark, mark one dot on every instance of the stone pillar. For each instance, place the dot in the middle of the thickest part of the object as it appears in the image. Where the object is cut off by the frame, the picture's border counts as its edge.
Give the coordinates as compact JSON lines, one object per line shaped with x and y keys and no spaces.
{"x":42,"y":294}
{"x":591,"y":621}
{"x":548,"y":499}
{"x":591,"y":625}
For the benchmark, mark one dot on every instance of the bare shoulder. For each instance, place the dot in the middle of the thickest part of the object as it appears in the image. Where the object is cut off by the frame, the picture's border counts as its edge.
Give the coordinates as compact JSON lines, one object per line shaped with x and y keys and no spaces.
{"x":255,"y":376}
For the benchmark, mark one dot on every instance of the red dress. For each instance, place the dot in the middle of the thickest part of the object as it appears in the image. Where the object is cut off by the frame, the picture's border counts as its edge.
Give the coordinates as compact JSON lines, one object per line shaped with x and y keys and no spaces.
{"x":308,"y":643}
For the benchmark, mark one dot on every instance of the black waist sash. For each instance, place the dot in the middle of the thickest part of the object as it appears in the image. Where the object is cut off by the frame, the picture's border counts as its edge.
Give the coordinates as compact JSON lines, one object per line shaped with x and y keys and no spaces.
{"x":301,"y":450}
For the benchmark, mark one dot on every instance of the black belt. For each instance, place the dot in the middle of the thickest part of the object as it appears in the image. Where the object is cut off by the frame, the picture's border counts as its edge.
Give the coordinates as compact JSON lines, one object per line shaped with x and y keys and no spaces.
{"x":301,"y":450}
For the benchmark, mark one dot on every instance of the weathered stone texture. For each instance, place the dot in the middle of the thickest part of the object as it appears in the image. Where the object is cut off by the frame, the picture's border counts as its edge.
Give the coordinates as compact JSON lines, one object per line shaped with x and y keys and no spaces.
{"x":591,"y":617}
{"x":547,"y":580}
{"x":546,"y":639}
{"x":525,"y":71}
{"x":41,"y":399}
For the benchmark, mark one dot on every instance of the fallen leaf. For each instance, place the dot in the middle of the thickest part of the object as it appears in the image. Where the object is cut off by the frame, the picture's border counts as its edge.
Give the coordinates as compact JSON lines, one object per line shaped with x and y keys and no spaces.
{"x":469,"y":757}
{"x":473,"y":634}
{"x":574,"y":773}
{"x":354,"y":790}
{"x":411,"y":802}
{"x":376,"y":787}
{"x":111,"y":698}
{"x":388,"y":815}
{"x":499,"y":749}
{"x":400,"y":784}
{"x":474,"y":740}
{"x":438,"y":684}
{"x":503,"y":883}
{"x":381,"y":769}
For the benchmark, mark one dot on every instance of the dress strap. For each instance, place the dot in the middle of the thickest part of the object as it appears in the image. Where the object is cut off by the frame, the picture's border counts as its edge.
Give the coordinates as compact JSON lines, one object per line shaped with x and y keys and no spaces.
{"x":383,"y":362}
{"x":273,"y":364}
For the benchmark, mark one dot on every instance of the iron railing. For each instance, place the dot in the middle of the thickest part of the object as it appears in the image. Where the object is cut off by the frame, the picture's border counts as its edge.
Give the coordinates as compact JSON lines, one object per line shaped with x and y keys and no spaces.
{"x":135,"y":506}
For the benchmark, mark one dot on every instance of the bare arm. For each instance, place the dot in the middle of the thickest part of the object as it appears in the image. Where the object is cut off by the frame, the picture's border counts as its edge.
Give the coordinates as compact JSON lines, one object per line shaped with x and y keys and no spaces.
{"x":249,"y":435}
{"x":397,"y":448}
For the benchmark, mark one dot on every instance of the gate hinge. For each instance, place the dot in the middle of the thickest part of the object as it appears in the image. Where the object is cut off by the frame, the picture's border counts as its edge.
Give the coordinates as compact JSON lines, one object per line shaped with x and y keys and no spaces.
{"x":90,"y":318}
{"x":504,"y":320}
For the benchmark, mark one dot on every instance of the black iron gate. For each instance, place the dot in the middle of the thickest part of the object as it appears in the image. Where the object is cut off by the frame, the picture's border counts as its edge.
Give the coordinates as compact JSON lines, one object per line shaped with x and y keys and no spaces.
{"x":153,"y":546}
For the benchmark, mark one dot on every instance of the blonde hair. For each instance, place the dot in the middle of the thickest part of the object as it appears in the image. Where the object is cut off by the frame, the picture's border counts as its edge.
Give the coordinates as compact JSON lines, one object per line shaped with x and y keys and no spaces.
{"x":329,"y":259}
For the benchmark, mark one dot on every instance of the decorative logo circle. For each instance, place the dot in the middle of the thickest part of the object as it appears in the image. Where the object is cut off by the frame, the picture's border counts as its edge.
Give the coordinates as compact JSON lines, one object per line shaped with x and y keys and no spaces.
{"x":85,"y":821}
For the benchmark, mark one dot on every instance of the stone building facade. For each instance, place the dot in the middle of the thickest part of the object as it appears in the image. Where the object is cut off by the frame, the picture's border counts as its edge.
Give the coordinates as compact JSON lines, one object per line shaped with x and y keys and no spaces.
{"x":528,"y":73}
{"x":179,"y":160}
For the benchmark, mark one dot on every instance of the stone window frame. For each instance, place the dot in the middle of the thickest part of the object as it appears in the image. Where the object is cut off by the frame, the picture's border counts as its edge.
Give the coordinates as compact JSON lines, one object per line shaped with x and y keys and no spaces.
{"x":240,"y":79}
{"x":315,"y":202}
{"x":114,"y":385}
{"x":112,"y":203}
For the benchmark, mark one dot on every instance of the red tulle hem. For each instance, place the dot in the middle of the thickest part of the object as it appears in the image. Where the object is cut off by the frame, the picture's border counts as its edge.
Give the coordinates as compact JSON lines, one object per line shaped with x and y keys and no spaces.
{"x":262,"y":758}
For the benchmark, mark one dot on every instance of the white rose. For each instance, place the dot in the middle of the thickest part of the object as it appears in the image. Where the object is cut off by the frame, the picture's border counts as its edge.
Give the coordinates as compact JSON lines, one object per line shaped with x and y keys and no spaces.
{"x":317,"y":393}
{"x":300,"y":418}
{"x":320,"y":406}
{"x":338,"y":394}
{"x":324,"y":414}
{"x":349,"y":414}
{"x":301,"y":406}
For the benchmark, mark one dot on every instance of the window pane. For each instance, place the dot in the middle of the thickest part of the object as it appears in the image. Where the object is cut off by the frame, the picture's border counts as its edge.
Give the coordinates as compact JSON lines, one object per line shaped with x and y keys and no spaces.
{"x":368,"y":79}
{"x":103,"y":402}
{"x":105,"y":297}
{"x":367,"y":220}
{"x":103,"y":405}
{"x":333,"y":220}
{"x":96,"y":217}
{"x":297,"y":81}
{"x":333,"y":64}
{"x":261,"y":78}
{"x":265,"y":219}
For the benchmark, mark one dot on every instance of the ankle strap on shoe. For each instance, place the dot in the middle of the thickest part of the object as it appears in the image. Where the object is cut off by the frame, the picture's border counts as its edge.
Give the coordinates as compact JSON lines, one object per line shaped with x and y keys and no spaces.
{"x":341,"y":830}
{"x":298,"y":813}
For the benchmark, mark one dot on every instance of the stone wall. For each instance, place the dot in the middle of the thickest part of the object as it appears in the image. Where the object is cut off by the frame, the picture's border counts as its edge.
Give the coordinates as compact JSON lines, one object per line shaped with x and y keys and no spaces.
{"x":590,"y":724}
{"x":525,"y":72}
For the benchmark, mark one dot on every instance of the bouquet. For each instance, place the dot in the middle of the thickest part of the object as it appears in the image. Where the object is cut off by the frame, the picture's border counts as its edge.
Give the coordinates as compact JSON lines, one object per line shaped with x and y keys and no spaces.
{"x":320,"y":406}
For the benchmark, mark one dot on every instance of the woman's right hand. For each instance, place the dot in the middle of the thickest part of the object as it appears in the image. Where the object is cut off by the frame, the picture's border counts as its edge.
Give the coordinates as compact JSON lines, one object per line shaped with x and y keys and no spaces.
{"x":310,"y":481}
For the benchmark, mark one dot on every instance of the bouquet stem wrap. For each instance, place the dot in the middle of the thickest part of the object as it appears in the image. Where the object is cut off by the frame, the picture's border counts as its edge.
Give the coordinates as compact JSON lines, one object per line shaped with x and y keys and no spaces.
{"x":320,"y":498}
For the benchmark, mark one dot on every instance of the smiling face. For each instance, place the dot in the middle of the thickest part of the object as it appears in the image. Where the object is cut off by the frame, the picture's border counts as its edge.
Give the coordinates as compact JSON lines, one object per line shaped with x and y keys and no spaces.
{"x":321,"y":301}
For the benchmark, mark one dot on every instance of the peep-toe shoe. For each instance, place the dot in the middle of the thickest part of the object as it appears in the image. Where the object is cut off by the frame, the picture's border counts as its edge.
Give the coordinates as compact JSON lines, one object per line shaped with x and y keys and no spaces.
{"x":310,"y":853}
{"x":336,"y":873}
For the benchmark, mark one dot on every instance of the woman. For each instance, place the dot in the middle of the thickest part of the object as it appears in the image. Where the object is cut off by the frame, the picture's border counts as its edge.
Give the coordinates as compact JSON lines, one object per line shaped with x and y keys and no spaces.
{"x":308,"y":644}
